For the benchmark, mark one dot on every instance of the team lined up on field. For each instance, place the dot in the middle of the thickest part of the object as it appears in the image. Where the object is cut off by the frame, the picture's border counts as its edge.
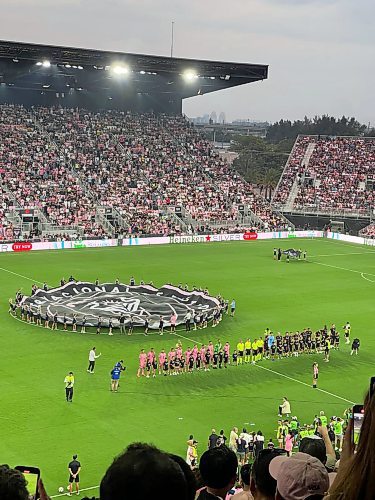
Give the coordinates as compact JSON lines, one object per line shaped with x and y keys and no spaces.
{"x":218,"y":356}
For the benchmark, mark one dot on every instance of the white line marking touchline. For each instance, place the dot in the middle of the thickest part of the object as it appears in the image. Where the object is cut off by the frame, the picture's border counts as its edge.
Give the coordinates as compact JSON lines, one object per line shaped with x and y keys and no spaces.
{"x":342,"y":268}
{"x":20,"y":275}
{"x":347,"y":244}
{"x":83,"y":489}
{"x":304,"y":383}
{"x":340,"y":254}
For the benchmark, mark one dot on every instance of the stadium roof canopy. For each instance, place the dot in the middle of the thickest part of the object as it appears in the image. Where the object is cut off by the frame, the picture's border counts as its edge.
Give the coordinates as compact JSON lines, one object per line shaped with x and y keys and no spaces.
{"x":54,"y":69}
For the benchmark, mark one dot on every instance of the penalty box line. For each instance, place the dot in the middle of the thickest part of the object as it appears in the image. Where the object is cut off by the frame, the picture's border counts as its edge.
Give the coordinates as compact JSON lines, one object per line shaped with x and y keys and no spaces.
{"x":304,"y":383}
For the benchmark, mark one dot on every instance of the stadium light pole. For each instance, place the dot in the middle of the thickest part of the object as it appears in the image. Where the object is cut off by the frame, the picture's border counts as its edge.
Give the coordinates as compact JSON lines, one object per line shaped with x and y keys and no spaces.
{"x":172,"y":38}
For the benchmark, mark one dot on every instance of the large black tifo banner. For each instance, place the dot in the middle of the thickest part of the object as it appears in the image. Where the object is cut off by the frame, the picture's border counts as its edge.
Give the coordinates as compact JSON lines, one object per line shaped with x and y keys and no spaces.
{"x":109,"y":300}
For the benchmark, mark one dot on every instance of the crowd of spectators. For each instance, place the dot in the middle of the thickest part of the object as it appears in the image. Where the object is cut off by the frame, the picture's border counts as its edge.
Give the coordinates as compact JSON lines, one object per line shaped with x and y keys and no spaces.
{"x":311,"y":469}
{"x":66,"y":162}
{"x":37,"y":174}
{"x":7,"y":230}
{"x":368,"y":231}
{"x":335,"y":178}
{"x":293,"y":171}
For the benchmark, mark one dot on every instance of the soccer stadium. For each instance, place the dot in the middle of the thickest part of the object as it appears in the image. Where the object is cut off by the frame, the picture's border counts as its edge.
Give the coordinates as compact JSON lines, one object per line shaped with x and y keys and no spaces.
{"x":150,"y":294}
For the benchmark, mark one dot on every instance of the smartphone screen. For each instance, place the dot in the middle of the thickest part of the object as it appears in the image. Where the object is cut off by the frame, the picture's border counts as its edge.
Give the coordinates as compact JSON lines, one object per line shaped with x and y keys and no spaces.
{"x":358,"y":415}
{"x":372,"y":386}
{"x":31,"y":474}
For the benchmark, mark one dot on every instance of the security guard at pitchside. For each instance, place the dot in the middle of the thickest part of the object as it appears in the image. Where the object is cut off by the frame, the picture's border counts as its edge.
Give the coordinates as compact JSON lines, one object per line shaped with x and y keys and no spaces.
{"x":69,"y":383}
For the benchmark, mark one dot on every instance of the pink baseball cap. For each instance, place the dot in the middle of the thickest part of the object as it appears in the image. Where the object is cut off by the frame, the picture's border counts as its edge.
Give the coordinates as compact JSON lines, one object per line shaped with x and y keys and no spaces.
{"x":299,"y":476}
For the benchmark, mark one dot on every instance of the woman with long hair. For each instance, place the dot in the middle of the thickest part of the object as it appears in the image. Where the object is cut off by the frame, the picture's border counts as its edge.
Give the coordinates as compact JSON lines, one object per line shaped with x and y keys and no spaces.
{"x":355,"y":479}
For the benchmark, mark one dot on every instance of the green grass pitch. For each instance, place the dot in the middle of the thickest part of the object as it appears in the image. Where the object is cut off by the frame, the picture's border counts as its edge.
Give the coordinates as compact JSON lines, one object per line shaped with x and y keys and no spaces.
{"x":39,"y":428}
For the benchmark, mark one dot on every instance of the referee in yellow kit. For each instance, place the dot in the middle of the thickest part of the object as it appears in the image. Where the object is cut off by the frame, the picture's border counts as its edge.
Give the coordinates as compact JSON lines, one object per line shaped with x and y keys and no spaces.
{"x":69,"y":383}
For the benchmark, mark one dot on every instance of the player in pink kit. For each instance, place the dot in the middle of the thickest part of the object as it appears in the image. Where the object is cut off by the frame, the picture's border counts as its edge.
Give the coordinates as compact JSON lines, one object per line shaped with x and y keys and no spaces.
{"x":226,"y":354}
{"x":150,"y":363}
{"x":171,"y":357}
{"x":162,"y":360}
{"x":202,"y":353}
{"x":142,"y":363}
{"x":210,"y":349}
{"x":173,"y":322}
{"x":179,"y":355}
{"x":195,"y":353}
{"x":187,"y":357}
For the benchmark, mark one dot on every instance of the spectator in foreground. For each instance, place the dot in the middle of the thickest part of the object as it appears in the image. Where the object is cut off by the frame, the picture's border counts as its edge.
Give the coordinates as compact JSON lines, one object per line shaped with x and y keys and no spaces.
{"x":12,"y":484}
{"x":143,"y":471}
{"x":262,"y":484}
{"x":245,"y":494}
{"x":218,"y":468}
{"x":355,"y":479}
{"x":320,"y":447}
{"x":300,"y":476}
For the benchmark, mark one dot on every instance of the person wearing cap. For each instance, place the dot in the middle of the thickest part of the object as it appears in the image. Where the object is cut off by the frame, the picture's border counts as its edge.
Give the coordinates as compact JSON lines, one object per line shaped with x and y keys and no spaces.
{"x":74,"y":468}
{"x":299,"y":477}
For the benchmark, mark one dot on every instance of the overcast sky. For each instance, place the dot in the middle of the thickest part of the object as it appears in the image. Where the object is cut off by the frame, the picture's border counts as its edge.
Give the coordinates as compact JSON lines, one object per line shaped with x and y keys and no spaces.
{"x":321,"y":53}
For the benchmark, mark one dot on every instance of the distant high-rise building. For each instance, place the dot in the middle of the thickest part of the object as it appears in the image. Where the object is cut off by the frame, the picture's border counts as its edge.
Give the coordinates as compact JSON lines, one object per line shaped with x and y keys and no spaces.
{"x":222,"y":117}
{"x":213,"y":117}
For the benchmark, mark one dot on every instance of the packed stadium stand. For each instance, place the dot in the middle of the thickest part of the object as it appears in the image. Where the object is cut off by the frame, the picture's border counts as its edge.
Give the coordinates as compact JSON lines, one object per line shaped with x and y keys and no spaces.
{"x":75,"y":167}
{"x":329,"y":175}
{"x":368,"y":231}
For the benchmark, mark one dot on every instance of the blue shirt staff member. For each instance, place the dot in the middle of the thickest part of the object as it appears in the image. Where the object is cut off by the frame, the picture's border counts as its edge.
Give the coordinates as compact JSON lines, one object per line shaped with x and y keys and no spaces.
{"x":232,"y":307}
{"x":115,"y":375}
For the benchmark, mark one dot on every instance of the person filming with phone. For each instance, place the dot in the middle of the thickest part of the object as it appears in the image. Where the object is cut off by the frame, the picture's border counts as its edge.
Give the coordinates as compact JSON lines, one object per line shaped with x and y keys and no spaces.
{"x":355,"y":479}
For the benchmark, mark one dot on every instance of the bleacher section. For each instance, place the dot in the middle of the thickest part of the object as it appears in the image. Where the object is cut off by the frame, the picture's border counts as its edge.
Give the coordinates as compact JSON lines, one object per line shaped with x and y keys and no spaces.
{"x":329,"y":175}
{"x":74,"y":165}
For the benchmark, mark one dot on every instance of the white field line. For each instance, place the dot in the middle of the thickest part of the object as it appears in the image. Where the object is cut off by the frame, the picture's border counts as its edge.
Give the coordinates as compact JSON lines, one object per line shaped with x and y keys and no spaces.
{"x":367,"y":279}
{"x":340,"y":254}
{"x":20,"y":275}
{"x":304,"y":383}
{"x":354,"y":245}
{"x":83,"y":489}
{"x":342,"y":268}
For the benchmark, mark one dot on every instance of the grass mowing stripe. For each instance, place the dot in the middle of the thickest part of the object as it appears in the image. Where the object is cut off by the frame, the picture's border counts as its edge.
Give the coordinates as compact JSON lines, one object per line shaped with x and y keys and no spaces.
{"x":304,"y":383}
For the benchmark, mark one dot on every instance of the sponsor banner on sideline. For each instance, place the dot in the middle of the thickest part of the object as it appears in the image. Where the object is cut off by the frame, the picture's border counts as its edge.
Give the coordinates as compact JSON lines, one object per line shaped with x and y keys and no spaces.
{"x":359,"y":240}
{"x":25,"y":246}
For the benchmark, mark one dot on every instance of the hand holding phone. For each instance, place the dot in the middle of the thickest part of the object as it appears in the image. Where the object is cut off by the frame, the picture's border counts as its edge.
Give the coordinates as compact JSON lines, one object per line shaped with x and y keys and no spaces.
{"x":358,"y":414}
{"x":32,"y":476}
{"x":372,"y":386}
